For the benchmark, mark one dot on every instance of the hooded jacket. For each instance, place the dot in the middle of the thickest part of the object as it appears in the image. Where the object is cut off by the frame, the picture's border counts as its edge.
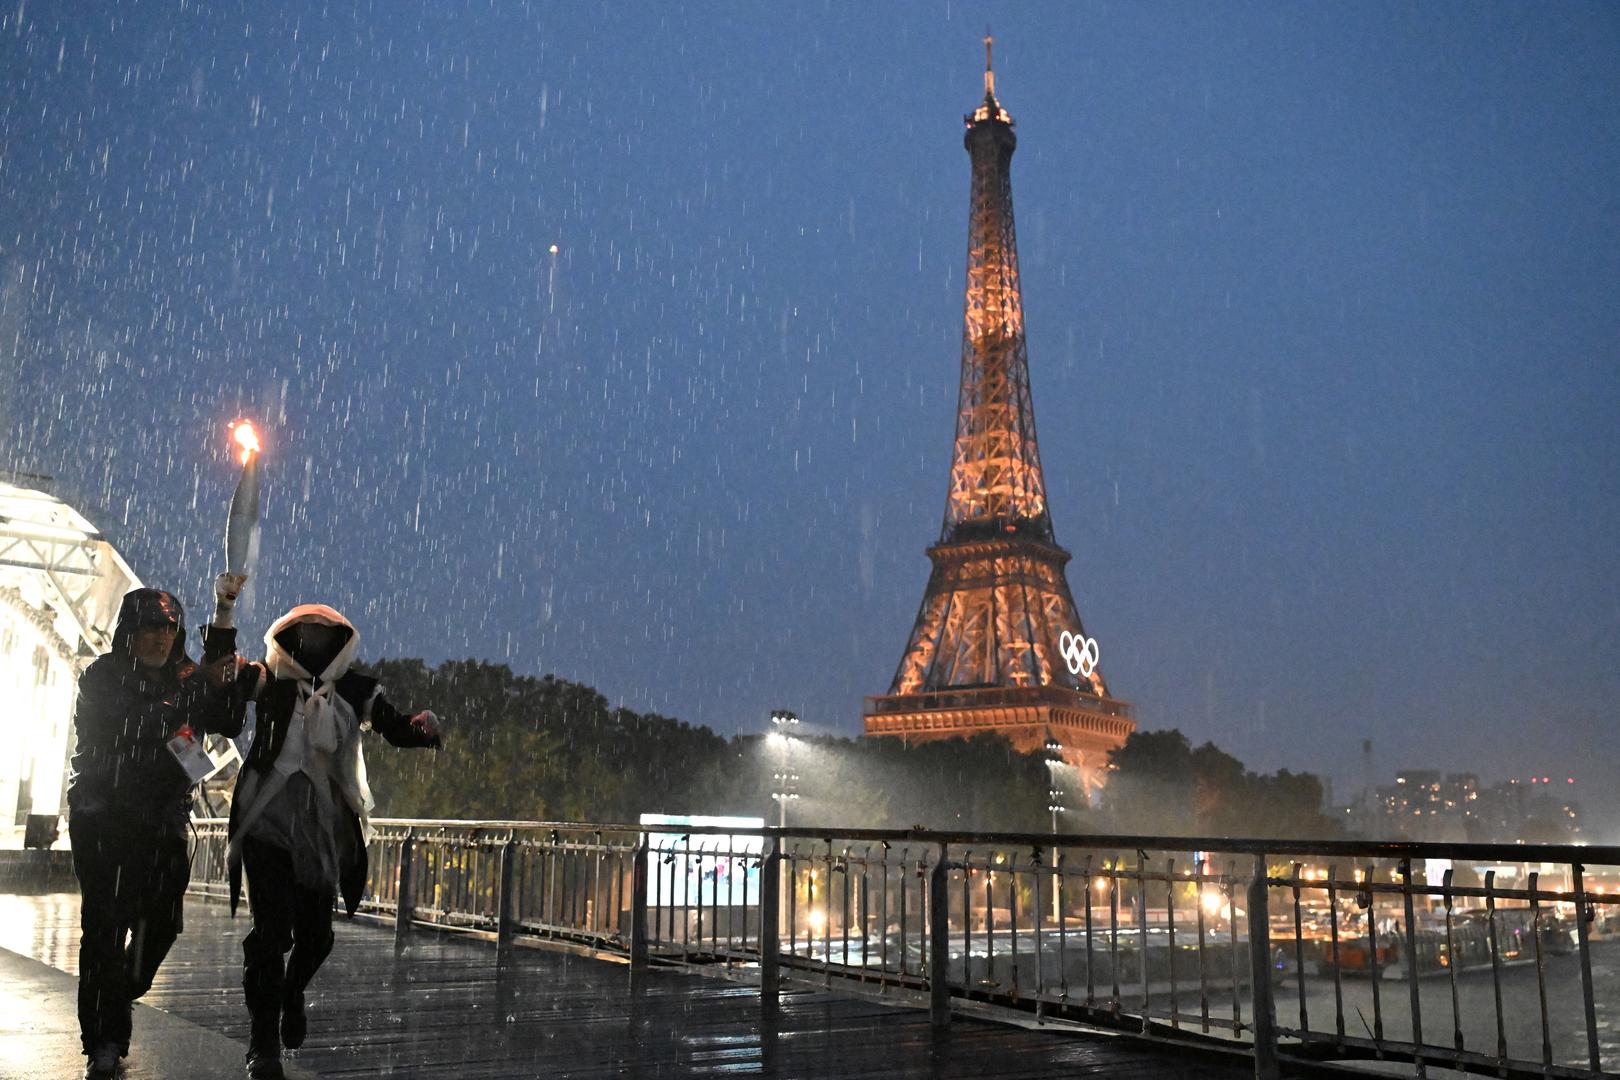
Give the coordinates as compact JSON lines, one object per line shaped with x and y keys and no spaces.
{"x":122,"y":774}
{"x":326,"y":708}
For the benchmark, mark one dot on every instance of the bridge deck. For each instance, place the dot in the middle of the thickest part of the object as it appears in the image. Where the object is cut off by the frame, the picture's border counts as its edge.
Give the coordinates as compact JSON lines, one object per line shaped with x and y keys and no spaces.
{"x":447,"y":1009}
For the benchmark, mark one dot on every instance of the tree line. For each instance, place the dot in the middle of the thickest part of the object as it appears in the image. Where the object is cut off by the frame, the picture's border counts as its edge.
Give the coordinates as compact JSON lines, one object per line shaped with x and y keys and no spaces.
{"x":544,"y":748}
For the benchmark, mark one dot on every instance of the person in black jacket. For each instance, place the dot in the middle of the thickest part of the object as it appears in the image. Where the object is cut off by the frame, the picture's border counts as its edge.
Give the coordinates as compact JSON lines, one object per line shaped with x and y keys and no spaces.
{"x":299,"y":815}
{"x":128,"y":803}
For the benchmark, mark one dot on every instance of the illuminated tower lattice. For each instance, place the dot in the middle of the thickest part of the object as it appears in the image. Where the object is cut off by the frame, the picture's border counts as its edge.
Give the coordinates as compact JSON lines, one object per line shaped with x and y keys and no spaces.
{"x":998,"y":645}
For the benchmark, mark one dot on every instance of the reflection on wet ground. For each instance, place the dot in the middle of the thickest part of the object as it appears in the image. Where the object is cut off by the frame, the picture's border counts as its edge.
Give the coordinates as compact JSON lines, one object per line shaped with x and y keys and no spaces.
{"x":447,"y":1008}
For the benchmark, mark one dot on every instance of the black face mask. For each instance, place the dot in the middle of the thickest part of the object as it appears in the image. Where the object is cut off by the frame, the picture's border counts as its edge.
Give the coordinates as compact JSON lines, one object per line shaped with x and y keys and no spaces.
{"x":314,"y":645}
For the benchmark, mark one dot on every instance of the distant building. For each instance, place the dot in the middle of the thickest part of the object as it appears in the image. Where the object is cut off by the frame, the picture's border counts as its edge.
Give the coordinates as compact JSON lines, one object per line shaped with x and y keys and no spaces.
{"x":1534,"y":810}
{"x":1427,"y":805}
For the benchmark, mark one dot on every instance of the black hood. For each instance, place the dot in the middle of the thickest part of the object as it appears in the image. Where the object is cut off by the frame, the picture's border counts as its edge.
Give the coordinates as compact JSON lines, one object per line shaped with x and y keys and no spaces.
{"x":150,"y":607}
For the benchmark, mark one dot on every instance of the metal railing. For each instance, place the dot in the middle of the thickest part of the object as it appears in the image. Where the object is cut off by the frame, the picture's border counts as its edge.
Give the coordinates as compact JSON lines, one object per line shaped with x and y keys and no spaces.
{"x":1502,"y":960}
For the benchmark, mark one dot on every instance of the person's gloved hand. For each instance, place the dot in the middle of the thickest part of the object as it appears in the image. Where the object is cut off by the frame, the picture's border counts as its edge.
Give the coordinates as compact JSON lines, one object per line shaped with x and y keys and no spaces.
{"x":227,"y":588}
{"x":221,"y":671}
{"x":427,"y":722}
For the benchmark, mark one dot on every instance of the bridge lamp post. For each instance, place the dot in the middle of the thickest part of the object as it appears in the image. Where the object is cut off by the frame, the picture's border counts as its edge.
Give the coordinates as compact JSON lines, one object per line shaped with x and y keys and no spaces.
{"x":785,"y":781}
{"x":1054,"y":803}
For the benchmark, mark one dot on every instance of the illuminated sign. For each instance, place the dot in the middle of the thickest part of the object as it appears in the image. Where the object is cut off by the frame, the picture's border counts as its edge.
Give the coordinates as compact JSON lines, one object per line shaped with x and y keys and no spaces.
{"x":703,"y":869}
{"x":1079,"y":653}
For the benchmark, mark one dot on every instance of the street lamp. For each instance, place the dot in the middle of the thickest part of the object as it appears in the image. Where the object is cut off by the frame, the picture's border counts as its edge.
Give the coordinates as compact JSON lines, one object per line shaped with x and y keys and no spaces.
{"x":784,"y":781}
{"x":1054,"y":803}
{"x":1054,"y":794}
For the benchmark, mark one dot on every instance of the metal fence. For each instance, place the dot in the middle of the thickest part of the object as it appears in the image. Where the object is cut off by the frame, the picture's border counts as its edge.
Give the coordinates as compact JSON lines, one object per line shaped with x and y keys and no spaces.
{"x":1493,"y":959}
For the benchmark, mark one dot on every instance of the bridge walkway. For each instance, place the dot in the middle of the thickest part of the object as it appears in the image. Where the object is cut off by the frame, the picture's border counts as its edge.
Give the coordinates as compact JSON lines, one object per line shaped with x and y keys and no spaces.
{"x":446,"y":1008}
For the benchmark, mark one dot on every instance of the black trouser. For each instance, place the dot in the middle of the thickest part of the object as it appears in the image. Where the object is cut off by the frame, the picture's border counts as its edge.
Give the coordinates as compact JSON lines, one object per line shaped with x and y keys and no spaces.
{"x":133,"y":885}
{"x":285,"y":916}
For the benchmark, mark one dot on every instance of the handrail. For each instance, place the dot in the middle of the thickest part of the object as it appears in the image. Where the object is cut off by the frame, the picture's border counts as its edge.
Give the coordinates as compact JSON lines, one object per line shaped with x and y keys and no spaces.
{"x":1176,"y":937}
{"x":1589,"y":854}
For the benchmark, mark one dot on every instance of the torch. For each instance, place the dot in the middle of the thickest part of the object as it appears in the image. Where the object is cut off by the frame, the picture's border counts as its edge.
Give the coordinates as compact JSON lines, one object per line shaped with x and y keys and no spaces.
{"x":241,"y":548}
{"x":242,"y":523}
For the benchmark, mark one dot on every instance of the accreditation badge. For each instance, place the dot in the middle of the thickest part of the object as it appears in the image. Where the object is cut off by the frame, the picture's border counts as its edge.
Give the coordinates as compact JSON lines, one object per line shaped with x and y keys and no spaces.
{"x":189,"y":751}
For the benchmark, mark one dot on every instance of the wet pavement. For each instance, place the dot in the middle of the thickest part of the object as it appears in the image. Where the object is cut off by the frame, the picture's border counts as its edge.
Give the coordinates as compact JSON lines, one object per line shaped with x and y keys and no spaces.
{"x":446,"y":1008}
{"x":39,"y":1033}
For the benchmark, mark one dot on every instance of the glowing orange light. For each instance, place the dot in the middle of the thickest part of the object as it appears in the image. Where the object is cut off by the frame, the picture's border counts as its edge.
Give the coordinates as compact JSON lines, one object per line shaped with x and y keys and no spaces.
{"x":246,"y":438}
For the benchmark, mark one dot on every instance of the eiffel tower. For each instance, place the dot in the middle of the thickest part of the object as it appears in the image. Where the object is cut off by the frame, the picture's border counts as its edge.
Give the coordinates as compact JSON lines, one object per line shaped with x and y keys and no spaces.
{"x":998,"y":645}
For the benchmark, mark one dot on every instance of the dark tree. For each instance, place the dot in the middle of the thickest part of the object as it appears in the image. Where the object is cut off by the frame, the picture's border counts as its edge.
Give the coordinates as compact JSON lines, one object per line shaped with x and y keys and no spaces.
{"x":1160,"y":785}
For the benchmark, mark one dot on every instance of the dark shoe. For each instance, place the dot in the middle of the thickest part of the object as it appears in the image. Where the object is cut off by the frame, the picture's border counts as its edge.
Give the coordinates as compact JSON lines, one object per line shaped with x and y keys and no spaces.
{"x":103,"y":1063}
{"x":293,"y":1023}
{"x":264,"y":1065}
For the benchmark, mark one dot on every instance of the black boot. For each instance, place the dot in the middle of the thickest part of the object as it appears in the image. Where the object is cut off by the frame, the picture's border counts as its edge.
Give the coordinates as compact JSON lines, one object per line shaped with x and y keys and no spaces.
{"x":293,"y":1023}
{"x":103,"y":1063}
{"x":265,"y":1064}
{"x":264,"y":1047}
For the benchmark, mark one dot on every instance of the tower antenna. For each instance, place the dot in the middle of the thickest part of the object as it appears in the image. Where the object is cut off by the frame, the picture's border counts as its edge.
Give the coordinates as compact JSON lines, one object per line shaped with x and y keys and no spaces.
{"x":989,"y":75}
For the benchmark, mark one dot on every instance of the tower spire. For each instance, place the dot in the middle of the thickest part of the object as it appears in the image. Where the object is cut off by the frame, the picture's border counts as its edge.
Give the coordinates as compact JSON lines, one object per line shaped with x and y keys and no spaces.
{"x":996,"y":481}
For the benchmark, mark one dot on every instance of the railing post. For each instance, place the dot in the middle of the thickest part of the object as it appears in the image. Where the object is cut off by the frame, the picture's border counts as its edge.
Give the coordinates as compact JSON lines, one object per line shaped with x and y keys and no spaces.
{"x":405,"y":889}
{"x":939,"y":941}
{"x":770,"y":927}
{"x":506,"y":920}
{"x":1265,"y":1009}
{"x":638,"y":904}
{"x":1583,"y":911}
{"x":1413,"y":968}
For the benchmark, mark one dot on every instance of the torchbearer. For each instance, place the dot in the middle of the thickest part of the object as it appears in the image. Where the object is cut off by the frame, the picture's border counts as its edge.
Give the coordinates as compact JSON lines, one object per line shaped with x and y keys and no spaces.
{"x":299,"y":815}
{"x":300,"y":810}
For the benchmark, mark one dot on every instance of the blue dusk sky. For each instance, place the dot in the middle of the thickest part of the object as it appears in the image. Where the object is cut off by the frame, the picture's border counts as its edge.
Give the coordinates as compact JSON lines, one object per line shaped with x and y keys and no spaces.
{"x":1323,"y":309}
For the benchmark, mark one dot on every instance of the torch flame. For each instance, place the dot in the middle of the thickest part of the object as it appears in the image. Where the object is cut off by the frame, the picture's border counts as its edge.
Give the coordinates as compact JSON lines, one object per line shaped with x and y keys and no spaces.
{"x":246,"y":438}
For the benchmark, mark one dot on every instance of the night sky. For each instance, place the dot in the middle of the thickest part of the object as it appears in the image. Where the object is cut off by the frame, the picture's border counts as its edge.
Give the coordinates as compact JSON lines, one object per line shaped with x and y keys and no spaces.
{"x":1323,"y":313}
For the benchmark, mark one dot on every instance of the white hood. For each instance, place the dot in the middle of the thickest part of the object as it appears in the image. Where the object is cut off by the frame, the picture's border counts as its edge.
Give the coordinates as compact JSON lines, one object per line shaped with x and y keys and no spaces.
{"x":283,"y":666}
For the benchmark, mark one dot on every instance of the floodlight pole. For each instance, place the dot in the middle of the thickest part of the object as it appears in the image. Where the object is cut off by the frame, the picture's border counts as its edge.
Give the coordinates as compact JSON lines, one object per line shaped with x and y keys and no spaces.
{"x":784,"y":723}
{"x":1054,"y":758}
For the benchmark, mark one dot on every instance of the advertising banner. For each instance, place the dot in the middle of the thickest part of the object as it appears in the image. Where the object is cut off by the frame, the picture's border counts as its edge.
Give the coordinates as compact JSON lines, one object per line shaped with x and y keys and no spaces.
{"x":708,"y":869}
